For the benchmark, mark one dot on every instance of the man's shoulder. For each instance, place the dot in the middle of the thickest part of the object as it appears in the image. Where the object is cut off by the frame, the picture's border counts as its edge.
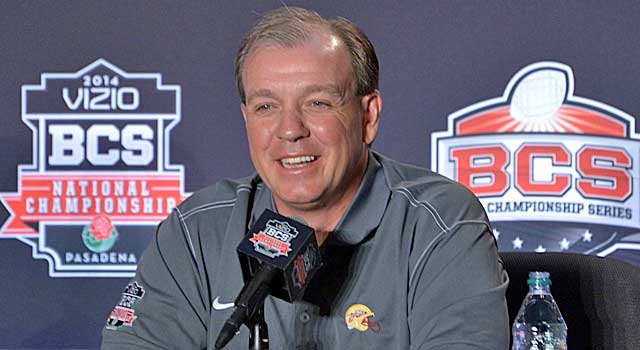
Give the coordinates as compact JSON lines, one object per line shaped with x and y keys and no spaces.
{"x":222,"y":194}
{"x":435,"y":193}
{"x":422,"y":183}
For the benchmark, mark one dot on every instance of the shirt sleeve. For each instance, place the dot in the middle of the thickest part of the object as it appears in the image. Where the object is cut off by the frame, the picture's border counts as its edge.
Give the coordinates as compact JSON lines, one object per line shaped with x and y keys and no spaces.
{"x":163,"y":306}
{"x":459,"y":296}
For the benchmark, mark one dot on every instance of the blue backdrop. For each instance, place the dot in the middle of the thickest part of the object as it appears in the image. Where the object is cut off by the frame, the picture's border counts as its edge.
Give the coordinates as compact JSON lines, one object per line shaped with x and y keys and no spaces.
{"x":508,"y":97}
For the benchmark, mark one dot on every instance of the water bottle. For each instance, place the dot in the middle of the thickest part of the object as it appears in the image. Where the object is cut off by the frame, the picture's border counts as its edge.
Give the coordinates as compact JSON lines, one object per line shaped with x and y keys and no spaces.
{"x":539,"y":324}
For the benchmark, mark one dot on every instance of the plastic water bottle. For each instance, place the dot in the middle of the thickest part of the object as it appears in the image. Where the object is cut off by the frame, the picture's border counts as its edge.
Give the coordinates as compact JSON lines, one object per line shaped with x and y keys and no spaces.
{"x":539,"y":324}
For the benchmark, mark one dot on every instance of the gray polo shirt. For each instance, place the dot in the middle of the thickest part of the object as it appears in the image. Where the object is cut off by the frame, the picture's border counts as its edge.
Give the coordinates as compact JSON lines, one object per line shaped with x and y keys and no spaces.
{"x":411,"y":265}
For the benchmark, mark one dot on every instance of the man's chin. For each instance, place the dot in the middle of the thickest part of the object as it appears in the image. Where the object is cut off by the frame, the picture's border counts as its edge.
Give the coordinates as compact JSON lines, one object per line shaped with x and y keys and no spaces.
{"x":297,"y":202}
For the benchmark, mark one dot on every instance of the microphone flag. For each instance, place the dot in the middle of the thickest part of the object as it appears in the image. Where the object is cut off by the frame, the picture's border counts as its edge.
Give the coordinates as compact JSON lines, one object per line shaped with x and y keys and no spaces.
{"x":285,"y":244}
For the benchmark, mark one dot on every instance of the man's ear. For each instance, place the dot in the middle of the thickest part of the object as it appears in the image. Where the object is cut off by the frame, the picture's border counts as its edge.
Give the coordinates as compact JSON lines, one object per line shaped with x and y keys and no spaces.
{"x":371,"y":109}
{"x":243,"y":108}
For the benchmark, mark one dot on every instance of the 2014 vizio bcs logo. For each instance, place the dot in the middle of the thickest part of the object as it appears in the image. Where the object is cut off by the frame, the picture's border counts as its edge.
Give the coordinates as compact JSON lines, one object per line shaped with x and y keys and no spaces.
{"x":554,"y":171}
{"x":101,"y":177}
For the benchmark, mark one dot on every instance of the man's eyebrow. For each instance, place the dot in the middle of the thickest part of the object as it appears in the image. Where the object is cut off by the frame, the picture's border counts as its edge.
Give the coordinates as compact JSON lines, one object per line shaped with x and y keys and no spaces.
{"x":260,"y":93}
{"x":331,"y":89}
{"x":328,"y":88}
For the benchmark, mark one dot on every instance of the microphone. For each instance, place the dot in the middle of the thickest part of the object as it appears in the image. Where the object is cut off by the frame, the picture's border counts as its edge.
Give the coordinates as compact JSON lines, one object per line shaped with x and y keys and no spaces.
{"x":279,"y":256}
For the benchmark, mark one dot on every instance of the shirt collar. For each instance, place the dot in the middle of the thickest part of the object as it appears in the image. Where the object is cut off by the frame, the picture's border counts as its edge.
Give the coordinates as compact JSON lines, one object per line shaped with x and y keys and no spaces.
{"x":361,"y":218}
{"x":365,"y":211}
{"x":263,"y":200}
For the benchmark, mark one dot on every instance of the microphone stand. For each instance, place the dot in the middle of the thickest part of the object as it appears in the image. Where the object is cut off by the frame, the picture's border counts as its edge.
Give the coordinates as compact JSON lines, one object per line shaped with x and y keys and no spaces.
{"x":258,"y":331}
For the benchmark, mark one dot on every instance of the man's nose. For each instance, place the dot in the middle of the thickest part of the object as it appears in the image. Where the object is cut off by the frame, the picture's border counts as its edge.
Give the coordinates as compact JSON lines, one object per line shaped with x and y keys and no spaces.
{"x":291,"y":126}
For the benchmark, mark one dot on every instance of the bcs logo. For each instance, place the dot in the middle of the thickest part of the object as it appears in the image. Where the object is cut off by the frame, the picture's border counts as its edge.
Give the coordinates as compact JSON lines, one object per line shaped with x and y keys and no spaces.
{"x":101,"y":177}
{"x":274,"y":240}
{"x":541,"y":154}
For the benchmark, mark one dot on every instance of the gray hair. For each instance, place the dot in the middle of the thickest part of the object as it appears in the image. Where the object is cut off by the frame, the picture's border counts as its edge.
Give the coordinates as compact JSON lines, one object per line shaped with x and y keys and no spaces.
{"x":291,"y":26}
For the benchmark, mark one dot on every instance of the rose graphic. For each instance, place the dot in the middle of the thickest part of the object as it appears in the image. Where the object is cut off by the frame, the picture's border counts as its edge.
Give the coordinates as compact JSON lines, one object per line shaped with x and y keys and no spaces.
{"x":100,"y":235}
{"x":101,"y":227}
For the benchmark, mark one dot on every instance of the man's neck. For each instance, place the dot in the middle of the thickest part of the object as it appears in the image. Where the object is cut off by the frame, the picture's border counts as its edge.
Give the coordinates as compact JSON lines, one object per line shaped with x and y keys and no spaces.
{"x":325,"y":219}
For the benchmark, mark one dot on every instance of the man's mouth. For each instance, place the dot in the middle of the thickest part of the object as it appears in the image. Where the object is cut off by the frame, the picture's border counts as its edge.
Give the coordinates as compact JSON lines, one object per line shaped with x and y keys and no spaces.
{"x":296,"y":162}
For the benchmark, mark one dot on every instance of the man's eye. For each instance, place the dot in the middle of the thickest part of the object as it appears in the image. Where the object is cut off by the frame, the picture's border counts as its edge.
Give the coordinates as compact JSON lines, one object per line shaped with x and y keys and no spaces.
{"x":263,"y":107}
{"x":317,"y":103}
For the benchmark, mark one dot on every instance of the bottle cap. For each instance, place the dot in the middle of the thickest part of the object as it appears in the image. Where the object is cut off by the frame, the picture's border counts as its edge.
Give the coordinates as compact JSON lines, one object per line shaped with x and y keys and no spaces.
{"x":539,"y":278}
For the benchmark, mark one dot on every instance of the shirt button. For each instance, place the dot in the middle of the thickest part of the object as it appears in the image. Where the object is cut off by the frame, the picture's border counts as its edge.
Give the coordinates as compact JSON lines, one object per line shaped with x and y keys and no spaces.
{"x":305,"y":317}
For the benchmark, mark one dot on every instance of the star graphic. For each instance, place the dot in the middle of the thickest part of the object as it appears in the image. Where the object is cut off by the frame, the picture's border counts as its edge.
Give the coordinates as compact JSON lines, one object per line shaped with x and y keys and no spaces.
{"x":586,"y":236}
{"x":496,"y":234}
{"x":517,"y":243}
{"x":541,"y":249}
{"x":564,"y":244}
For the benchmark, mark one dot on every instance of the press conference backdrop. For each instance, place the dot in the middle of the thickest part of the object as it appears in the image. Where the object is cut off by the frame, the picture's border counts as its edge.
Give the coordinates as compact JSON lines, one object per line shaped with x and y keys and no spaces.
{"x":112,"y":113}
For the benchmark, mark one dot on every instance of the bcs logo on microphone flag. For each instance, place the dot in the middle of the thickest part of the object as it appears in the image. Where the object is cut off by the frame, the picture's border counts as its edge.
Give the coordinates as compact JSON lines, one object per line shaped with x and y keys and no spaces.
{"x":274,"y":240}
{"x":101,"y":177}
{"x":564,"y":164}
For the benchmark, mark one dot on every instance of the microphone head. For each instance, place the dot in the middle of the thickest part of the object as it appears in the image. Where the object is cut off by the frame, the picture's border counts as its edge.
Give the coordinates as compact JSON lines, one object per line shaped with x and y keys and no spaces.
{"x":285,"y":244}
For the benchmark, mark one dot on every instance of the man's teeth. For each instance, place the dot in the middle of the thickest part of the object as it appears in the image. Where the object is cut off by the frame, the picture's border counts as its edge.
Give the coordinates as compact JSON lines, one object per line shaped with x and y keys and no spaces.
{"x":296,"y":162}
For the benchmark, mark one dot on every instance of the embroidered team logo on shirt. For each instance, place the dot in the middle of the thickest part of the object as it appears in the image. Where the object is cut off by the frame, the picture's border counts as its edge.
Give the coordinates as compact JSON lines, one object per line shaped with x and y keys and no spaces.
{"x":124,"y":314}
{"x":358,"y":317}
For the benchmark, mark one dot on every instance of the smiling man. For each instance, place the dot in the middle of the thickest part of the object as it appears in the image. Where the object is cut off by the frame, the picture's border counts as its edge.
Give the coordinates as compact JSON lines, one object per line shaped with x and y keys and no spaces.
{"x":308,"y":130}
{"x":409,"y":260}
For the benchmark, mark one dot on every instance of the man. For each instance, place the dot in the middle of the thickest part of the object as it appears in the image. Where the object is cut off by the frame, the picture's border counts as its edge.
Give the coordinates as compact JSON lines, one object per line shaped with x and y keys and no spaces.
{"x":409,"y":260}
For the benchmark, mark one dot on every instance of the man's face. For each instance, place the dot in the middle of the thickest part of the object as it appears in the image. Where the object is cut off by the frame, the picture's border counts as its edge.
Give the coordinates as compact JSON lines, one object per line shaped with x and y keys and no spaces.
{"x":307,"y":132}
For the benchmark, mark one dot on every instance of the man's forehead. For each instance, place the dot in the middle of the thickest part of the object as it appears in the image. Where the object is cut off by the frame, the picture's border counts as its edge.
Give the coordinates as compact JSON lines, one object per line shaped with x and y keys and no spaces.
{"x":332,"y":75}
{"x":314,"y":34}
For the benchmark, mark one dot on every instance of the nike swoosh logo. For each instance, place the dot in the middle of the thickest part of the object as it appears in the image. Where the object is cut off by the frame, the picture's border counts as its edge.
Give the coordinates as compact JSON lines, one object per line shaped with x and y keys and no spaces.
{"x":221,"y":306}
